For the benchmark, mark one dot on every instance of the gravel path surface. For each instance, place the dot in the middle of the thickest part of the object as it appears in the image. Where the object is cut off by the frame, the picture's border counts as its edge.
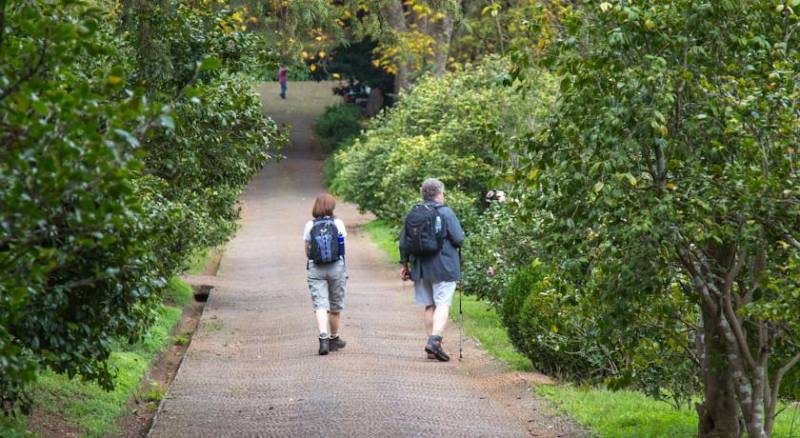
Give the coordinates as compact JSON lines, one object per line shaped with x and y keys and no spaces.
{"x":253,"y":370}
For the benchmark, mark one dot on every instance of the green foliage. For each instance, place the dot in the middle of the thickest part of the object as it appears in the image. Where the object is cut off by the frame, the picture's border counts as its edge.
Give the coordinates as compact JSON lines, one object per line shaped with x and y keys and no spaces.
{"x":74,"y":245}
{"x":446,"y":128}
{"x":339,"y":124}
{"x":353,"y":61}
{"x":126,"y":141}
{"x":542,"y":323}
{"x":497,"y":246}
{"x":667,"y":186}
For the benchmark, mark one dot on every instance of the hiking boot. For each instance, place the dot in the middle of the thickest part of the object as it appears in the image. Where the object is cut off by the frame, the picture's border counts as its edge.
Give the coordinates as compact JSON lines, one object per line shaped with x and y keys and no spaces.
{"x":434,"y":347}
{"x":337,"y":343}
{"x":324,"y":346}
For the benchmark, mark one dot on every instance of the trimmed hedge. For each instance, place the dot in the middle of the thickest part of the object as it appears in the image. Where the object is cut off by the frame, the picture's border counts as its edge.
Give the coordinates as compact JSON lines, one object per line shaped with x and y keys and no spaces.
{"x":542,"y":322}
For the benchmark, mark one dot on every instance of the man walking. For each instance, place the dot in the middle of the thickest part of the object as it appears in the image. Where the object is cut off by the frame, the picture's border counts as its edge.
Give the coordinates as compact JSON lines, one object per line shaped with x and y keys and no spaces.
{"x":431,"y":239}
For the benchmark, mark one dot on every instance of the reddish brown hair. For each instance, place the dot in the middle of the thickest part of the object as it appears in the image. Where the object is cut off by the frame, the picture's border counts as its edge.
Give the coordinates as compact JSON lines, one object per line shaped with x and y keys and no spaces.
{"x":323,"y":206}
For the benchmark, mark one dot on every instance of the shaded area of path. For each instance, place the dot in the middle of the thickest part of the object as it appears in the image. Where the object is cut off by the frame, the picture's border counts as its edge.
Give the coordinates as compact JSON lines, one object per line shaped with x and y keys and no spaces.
{"x":252,"y":367}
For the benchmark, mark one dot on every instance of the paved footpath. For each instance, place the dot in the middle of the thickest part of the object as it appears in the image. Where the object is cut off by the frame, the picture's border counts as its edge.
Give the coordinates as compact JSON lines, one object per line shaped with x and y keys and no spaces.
{"x":252,"y":368}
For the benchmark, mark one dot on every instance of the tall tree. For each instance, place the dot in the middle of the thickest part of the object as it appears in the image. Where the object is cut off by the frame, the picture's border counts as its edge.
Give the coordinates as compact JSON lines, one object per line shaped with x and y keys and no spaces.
{"x":671,"y":163}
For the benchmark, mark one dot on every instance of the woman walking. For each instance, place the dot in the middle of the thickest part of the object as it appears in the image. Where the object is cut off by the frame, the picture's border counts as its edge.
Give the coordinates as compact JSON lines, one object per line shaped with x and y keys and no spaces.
{"x":327,"y":274}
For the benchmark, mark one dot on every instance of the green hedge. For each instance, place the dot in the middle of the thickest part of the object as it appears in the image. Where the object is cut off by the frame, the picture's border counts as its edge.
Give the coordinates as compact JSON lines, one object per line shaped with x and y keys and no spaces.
{"x":544,"y":323}
{"x":127,"y":137}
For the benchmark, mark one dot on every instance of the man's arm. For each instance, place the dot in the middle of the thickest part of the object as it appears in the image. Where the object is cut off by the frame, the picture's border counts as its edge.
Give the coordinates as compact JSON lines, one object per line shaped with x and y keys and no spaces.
{"x":454,"y":231}
{"x":405,"y":273}
{"x":402,"y":244}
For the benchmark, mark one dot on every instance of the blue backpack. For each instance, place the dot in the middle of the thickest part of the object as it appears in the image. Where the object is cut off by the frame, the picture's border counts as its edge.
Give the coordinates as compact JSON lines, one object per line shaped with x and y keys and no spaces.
{"x":324,"y":241}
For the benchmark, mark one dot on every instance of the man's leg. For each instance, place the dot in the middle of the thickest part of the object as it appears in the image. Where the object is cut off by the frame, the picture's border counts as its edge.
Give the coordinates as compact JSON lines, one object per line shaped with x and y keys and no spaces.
{"x":440,"y":317}
{"x":428,"y":317}
{"x":443,"y":297}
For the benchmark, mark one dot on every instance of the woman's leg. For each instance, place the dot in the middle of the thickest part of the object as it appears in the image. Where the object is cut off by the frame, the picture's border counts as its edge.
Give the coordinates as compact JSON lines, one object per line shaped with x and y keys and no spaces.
{"x":322,"y":320}
{"x":318,"y":285}
{"x":337,"y":285}
{"x":333,"y":320}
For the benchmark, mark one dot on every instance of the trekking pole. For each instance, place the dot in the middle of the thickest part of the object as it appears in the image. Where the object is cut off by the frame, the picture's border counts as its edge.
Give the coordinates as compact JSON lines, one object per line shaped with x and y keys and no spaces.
{"x":460,"y":313}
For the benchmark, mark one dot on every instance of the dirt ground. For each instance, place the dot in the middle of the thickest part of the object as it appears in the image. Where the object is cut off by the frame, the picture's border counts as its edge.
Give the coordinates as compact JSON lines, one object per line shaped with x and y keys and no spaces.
{"x":252,"y":368}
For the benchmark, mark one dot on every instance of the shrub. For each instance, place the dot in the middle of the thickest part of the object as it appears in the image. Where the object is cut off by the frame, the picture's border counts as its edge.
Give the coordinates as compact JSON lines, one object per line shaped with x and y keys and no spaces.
{"x":111,"y":174}
{"x":75,"y":251}
{"x":544,"y":322}
{"x":499,"y":243}
{"x":558,"y":327}
{"x":446,"y":127}
{"x":338,"y":124}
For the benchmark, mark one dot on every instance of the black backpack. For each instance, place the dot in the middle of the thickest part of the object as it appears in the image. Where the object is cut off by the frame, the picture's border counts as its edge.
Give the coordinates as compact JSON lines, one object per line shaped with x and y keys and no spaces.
{"x":324,"y":241}
{"x":425,"y":230}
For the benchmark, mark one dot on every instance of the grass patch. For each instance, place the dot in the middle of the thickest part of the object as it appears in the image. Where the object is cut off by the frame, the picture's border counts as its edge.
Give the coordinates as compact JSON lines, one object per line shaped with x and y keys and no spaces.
{"x":629,"y":414}
{"x":385,"y":236}
{"x":85,"y":404}
{"x":198,"y":260}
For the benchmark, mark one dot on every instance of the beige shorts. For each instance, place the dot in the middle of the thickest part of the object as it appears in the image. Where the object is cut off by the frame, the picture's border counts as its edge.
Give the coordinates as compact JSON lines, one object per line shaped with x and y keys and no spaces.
{"x":327,"y":285}
{"x":427,"y":293}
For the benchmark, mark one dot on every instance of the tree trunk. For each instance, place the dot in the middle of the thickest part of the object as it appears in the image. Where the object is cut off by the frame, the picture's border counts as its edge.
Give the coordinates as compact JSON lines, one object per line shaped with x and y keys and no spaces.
{"x":719,"y":415}
{"x":442,"y":32}
{"x":392,"y":13}
{"x":375,"y":102}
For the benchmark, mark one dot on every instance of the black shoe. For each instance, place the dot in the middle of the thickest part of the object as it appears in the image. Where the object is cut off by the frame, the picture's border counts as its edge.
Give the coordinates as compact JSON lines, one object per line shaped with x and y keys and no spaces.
{"x":434,"y":347}
{"x":337,"y":343}
{"x":324,"y":346}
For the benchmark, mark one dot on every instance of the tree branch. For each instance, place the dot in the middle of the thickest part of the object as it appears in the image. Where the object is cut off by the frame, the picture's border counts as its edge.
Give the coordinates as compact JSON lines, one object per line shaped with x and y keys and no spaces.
{"x":730,"y":314}
{"x":696,"y":278}
{"x":776,"y":385}
{"x":792,"y":241}
{"x":29,"y":74}
{"x":2,"y":21}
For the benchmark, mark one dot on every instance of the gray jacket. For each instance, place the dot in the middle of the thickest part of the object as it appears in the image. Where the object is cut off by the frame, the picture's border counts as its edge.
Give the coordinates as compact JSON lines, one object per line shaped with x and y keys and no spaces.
{"x":445,"y":265}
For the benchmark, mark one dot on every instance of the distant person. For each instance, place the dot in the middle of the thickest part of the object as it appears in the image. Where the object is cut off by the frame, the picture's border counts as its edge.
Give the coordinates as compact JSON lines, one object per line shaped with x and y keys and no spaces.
{"x":431,"y":239}
{"x":327,"y":274}
{"x":283,"y":79}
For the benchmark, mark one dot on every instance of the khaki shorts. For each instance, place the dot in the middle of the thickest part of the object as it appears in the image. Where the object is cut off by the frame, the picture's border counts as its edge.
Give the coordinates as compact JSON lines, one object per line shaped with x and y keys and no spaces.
{"x":327,"y":285}
{"x":427,"y":293}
